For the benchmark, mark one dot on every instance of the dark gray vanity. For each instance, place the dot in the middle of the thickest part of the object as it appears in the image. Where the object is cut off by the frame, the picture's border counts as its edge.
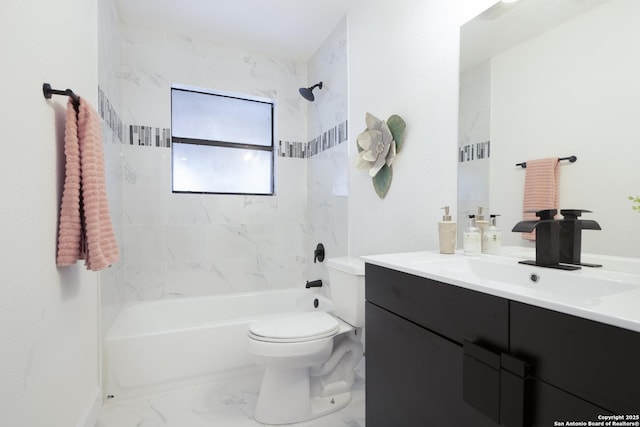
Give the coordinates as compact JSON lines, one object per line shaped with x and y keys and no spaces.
{"x":440,"y":355}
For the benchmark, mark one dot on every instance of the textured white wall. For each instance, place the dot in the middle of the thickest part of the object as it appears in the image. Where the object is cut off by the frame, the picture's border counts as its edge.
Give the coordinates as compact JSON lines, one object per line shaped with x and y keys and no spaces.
{"x":403,"y":59}
{"x":49,"y":372}
{"x":573,"y":91}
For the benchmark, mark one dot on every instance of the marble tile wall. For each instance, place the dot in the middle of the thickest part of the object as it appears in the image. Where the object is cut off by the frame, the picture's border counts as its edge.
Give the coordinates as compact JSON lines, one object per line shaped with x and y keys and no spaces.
{"x":109,"y":106}
{"x":328,"y":163}
{"x":192,"y":245}
{"x":189,"y":245}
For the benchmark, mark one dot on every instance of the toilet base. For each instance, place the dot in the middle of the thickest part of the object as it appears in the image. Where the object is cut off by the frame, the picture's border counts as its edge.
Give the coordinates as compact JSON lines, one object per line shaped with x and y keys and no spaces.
{"x":285,"y":398}
{"x":325,"y":405}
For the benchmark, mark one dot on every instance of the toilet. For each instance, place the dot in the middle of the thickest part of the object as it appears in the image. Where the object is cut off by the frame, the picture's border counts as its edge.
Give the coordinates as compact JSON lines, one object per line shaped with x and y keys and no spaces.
{"x":309,"y":357}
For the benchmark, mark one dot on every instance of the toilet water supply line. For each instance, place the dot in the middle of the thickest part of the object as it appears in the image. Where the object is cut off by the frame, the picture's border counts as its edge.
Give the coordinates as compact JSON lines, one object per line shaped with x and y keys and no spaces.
{"x":355,"y":350}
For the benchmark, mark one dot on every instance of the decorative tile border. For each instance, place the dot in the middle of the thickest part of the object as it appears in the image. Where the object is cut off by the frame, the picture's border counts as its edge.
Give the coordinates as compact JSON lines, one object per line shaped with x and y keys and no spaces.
{"x":477,"y":151}
{"x":293,"y":149}
{"x":109,"y":114}
{"x":328,"y":139}
{"x":161,"y":137}
{"x":148,"y":136}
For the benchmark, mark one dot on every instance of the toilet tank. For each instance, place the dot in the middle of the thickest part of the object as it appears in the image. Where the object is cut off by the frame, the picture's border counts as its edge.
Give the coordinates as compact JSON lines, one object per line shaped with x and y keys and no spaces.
{"x":346,"y":277}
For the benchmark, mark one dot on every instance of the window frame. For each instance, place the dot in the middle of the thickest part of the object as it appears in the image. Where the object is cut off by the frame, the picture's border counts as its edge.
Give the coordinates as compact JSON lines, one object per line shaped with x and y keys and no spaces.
{"x":226,"y":144}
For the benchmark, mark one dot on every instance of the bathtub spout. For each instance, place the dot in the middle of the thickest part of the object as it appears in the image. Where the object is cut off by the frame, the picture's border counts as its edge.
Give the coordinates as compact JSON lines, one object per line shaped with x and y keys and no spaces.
{"x":314,"y":284}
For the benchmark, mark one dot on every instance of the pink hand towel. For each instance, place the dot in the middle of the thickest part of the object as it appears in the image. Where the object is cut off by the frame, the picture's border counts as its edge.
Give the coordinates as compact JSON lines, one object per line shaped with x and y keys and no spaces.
{"x":540,"y":189}
{"x":70,"y":248}
{"x":85,"y":230}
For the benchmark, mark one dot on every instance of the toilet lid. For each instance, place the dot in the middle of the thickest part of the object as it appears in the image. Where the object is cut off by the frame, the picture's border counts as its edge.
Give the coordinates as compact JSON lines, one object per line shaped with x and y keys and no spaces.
{"x":295,"y":327}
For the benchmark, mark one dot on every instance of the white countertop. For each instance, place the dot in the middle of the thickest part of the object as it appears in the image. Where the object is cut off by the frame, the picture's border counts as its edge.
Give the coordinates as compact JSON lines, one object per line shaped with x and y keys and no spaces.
{"x":610,"y":294}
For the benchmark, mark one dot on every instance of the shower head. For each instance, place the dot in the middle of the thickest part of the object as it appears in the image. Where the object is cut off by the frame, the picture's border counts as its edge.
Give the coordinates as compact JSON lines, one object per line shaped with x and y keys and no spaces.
{"x":307,"y":92}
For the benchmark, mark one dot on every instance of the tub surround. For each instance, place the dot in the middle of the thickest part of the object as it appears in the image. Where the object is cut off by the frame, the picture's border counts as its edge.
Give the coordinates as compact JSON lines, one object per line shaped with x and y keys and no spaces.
{"x":488,"y":341}
{"x":192,"y":245}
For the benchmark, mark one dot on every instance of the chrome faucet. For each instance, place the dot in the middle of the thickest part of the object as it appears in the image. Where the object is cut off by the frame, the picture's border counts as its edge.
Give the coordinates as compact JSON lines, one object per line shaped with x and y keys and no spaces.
{"x":558,"y":241}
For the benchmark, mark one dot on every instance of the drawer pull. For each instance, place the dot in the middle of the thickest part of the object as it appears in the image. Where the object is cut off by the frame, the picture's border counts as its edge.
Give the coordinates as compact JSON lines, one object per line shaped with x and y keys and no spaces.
{"x":495,"y":384}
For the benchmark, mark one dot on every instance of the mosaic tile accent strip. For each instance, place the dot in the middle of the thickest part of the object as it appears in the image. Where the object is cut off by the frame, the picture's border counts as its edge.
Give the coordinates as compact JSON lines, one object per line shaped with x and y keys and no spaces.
{"x":328,"y":139}
{"x":477,"y":151}
{"x":148,"y":136}
{"x":109,"y":114}
{"x":292,"y":149}
{"x":161,"y":137}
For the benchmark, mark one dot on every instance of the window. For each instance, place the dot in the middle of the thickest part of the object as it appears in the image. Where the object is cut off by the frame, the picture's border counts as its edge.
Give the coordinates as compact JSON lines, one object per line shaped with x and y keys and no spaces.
{"x":221,"y":143}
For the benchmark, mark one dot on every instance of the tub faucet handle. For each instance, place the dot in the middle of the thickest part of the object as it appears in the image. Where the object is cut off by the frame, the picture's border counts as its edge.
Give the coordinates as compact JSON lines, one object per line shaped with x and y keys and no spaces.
{"x":318,"y":254}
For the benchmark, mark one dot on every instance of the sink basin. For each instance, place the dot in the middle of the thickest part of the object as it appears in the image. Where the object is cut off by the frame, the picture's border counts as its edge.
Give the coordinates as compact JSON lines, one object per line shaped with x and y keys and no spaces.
{"x":598,"y":294}
{"x":580,"y":285}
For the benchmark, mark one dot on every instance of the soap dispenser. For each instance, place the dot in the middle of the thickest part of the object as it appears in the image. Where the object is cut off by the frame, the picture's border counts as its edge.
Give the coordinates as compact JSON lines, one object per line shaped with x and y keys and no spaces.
{"x":492,"y":237}
{"x":447,"y":233}
{"x":482,"y":225}
{"x":472,"y":243}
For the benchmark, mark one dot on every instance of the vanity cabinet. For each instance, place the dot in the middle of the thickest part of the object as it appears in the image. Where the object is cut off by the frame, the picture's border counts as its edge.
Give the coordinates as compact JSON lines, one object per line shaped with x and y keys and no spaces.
{"x":597,"y":362}
{"x":441,"y":355}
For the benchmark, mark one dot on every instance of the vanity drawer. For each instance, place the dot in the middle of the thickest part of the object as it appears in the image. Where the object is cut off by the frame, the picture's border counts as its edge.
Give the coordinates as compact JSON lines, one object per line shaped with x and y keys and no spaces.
{"x":458,"y":314}
{"x":597,"y":362}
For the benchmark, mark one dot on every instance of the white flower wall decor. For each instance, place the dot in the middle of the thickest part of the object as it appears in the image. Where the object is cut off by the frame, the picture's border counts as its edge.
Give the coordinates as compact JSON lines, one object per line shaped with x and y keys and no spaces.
{"x":378,"y":146}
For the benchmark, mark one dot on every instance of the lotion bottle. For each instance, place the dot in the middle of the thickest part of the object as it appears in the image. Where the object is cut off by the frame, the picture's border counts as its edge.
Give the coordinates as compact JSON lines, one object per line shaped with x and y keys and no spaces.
{"x":472,"y":243}
{"x":447,"y":230}
{"x":492,"y":237}
{"x":482,"y":225}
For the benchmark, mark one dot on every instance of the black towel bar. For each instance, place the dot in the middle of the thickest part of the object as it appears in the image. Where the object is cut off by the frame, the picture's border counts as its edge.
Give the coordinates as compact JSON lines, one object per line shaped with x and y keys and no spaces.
{"x":48,"y":91}
{"x":571,"y":159}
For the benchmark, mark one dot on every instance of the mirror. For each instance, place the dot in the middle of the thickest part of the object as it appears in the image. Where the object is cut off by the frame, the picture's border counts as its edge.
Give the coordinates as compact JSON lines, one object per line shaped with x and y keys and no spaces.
{"x":553,"y":78}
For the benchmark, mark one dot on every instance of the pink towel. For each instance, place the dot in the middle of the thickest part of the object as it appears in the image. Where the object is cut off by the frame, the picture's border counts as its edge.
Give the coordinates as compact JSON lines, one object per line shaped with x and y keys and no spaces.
{"x":540,"y":189}
{"x":85,"y":223}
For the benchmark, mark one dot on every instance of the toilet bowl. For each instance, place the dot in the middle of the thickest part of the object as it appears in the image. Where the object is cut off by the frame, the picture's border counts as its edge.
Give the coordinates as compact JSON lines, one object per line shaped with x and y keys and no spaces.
{"x":309,"y":357}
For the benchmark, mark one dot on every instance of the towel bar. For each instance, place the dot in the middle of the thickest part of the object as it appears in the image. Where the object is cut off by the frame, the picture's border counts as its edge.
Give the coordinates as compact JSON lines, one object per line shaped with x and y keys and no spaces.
{"x":48,"y":91}
{"x":571,"y":159}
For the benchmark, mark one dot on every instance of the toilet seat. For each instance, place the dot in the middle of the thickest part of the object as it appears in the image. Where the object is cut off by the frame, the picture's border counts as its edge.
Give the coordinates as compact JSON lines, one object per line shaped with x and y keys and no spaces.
{"x":295,"y":327}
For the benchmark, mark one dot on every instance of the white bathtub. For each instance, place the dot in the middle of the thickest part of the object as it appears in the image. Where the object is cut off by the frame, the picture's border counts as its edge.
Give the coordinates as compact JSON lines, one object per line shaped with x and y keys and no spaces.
{"x":158,"y":345}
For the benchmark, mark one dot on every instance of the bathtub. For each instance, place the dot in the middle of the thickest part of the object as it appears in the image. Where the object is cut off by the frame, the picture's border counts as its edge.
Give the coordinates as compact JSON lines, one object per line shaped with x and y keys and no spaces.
{"x":158,"y":345}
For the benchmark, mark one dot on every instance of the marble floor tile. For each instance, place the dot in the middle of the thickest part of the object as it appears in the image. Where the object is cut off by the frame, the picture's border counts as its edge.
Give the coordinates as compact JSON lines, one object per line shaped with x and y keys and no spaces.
{"x":228,"y":403}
